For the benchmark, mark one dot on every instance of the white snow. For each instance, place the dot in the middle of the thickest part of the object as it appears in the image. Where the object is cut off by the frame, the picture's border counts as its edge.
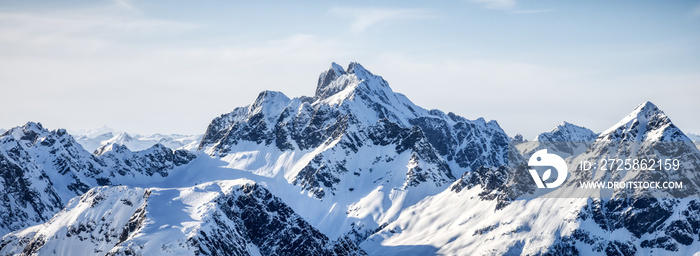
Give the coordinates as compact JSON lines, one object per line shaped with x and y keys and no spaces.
{"x":446,"y":224}
{"x":171,"y":216}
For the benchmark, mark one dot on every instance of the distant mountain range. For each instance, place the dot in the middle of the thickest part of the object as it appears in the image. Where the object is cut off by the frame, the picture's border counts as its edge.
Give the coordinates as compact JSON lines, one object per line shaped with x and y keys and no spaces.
{"x":96,"y":142}
{"x":694,"y":137}
{"x":355,"y":169}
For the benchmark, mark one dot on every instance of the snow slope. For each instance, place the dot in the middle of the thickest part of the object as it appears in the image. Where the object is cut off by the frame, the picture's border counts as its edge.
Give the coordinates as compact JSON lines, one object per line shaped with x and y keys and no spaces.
{"x":479,"y":215}
{"x":235,"y":217}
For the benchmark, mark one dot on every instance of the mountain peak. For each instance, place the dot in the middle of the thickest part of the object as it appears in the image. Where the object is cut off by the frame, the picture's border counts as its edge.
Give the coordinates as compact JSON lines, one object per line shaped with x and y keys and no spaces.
{"x":335,"y":80}
{"x":362,"y":73}
{"x":28,"y":132}
{"x":337,"y":69}
{"x":567,"y":132}
{"x":642,"y":113}
{"x":324,"y":88}
{"x":645,"y":123}
{"x":270,"y":103}
{"x":33,"y":127}
{"x":356,"y":68}
{"x":646,"y":105}
{"x":124,"y":137}
{"x":267,"y":95}
{"x":567,"y":125}
{"x":646,"y":109}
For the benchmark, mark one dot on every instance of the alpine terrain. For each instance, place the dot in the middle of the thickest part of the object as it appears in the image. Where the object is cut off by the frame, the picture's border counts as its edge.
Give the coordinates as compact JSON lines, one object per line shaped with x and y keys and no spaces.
{"x":355,"y":169}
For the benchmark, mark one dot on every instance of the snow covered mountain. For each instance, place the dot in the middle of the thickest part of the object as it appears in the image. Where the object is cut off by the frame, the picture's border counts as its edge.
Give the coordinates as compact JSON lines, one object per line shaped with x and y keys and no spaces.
{"x":565,"y":140}
{"x":356,"y":168}
{"x":568,"y":132}
{"x":355,"y":143}
{"x":95,"y":142}
{"x":236,"y":217}
{"x":646,"y":133}
{"x":472,"y":218}
{"x":314,"y":144}
{"x":41,"y":170}
{"x":92,"y":143}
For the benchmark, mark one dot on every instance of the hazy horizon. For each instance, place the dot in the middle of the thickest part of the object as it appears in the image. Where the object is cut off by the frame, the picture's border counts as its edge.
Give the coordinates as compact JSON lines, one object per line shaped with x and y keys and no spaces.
{"x":93,"y":131}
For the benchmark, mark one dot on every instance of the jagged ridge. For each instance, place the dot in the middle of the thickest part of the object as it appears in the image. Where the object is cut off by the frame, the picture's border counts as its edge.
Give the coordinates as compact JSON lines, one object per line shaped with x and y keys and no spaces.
{"x":235,"y":217}
{"x":43,"y":169}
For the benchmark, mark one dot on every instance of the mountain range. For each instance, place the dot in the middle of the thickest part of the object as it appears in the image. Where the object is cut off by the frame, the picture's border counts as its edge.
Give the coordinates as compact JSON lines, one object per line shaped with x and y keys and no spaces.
{"x":354,"y":169}
{"x":96,"y":142}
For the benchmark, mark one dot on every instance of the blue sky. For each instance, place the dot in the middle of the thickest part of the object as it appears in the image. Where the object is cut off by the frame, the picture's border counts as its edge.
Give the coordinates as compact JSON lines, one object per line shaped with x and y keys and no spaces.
{"x":172,"y":66}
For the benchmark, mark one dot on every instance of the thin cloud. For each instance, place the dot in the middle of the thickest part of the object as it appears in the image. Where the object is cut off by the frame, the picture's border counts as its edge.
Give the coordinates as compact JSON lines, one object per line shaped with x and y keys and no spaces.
{"x":79,"y":30}
{"x":365,"y":18}
{"x":532,"y":11}
{"x":125,"y":5}
{"x":496,"y":4}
